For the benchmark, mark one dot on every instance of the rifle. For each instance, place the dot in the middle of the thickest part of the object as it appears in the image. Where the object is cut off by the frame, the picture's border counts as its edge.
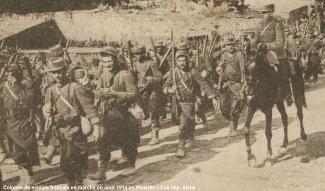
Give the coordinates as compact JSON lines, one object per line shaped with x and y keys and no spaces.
{"x":154,"y":50}
{"x":198,"y":57}
{"x":166,"y":54}
{"x":130,"y":55}
{"x":174,"y":99}
{"x":66,"y":51}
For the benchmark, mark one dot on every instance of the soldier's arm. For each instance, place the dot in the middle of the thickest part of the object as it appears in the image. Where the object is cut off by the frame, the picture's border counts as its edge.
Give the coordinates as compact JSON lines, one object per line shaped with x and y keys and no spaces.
{"x":279,"y":37}
{"x":131,"y":89}
{"x":86,"y":101}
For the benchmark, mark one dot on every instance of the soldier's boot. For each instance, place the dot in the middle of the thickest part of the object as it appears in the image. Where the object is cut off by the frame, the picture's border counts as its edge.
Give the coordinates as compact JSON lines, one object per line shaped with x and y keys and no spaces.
{"x":181,"y":148}
{"x":49,"y":154}
{"x":233,"y":128}
{"x":154,"y":137}
{"x":100,"y":173}
{"x":130,"y":169}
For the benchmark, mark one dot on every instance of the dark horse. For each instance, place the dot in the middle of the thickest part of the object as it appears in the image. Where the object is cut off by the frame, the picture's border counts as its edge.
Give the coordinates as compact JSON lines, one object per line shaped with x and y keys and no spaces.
{"x":263,"y":82}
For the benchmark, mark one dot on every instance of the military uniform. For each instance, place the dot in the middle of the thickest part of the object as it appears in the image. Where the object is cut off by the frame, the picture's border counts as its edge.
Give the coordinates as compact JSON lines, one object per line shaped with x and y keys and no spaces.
{"x":149,"y":83}
{"x":17,"y":102}
{"x":271,"y":32}
{"x":232,"y":67}
{"x":73,"y":143}
{"x":188,"y":89}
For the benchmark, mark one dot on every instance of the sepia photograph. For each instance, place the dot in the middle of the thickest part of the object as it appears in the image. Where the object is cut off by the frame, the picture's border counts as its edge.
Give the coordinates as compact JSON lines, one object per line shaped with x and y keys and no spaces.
{"x":166,"y":95}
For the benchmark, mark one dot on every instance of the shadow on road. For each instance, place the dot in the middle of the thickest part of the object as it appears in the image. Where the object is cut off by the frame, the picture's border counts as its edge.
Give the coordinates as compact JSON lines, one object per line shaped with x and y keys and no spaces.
{"x":307,"y":151}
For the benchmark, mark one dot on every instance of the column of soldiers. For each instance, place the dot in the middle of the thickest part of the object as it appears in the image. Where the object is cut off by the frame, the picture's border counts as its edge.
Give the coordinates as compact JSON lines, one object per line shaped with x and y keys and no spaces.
{"x":135,"y":80}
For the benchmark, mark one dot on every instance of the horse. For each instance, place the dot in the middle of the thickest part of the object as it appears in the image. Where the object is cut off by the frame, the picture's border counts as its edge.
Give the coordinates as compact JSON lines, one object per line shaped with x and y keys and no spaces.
{"x":263,"y":83}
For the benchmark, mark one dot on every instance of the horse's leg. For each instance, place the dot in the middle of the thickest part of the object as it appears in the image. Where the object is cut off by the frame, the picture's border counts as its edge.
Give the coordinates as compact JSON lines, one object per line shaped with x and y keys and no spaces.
{"x":268,"y":134}
{"x":301,"y":123}
{"x":250,"y":157}
{"x":284,"y":118}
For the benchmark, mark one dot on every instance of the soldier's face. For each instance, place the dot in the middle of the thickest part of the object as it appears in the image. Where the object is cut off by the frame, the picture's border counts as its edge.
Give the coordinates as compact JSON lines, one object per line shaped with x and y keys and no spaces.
{"x":107,"y":62}
{"x":182,"y":62}
{"x":58,"y":76}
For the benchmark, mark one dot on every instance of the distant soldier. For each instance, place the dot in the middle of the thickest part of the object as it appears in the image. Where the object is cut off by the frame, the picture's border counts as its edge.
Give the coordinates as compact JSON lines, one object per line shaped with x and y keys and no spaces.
{"x":66,"y":102}
{"x":149,"y":83}
{"x":231,"y":69}
{"x":118,"y":126}
{"x":18,"y":107}
{"x":187,"y":90}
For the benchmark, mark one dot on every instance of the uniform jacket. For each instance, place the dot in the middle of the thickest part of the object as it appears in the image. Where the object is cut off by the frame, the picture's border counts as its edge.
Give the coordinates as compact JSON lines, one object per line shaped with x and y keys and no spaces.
{"x":193,"y":81}
{"x":233,"y":65}
{"x":79,"y":97}
{"x":273,"y":36}
{"x":125,"y":86}
{"x":16,"y":111}
{"x":147,"y":69}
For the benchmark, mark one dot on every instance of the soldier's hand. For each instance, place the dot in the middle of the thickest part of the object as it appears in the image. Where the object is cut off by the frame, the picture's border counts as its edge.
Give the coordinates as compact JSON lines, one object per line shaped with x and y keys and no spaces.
{"x":96,"y":132}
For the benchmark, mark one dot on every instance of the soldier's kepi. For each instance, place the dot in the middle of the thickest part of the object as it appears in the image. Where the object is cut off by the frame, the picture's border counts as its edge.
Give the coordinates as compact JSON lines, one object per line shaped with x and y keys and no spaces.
{"x":66,"y":102}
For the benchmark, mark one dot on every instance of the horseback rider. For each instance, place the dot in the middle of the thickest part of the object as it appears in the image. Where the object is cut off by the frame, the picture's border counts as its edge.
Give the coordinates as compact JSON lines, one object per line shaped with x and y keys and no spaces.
{"x":270,"y":32}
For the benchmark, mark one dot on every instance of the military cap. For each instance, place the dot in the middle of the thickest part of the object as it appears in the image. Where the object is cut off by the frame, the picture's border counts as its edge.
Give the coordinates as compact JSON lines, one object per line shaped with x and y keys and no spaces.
{"x":268,"y":8}
{"x":55,"y":64}
{"x":108,"y":51}
{"x":139,"y":50}
{"x":228,"y":40}
{"x":182,"y":46}
{"x":182,"y":53}
{"x":56,"y":51}
{"x":159,"y":43}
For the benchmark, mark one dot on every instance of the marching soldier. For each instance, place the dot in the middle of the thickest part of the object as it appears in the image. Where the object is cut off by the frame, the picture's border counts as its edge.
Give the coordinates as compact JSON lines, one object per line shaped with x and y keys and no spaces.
{"x":17,"y":101}
{"x":187,"y":88}
{"x":65,"y":103}
{"x":149,"y":83}
{"x":118,"y":126}
{"x":231,"y":69}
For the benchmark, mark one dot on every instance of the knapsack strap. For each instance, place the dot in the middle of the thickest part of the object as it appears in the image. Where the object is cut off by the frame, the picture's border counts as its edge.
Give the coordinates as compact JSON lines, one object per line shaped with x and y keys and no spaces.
{"x":65,"y":101}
